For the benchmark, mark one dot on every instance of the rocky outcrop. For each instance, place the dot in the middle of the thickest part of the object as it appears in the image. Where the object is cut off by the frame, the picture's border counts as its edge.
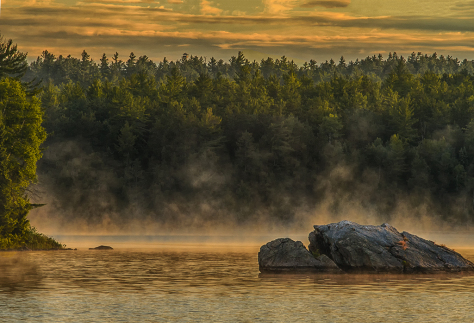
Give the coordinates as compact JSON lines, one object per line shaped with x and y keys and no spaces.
{"x":366,"y":248}
{"x":350,"y":247}
{"x":285,"y":254}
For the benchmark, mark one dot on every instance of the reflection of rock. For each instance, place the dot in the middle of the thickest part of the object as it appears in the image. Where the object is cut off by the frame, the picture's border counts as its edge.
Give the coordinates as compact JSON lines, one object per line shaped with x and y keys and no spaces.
{"x":360,"y":248}
{"x":102,"y":248}
{"x":367,"y":248}
{"x":285,"y":254}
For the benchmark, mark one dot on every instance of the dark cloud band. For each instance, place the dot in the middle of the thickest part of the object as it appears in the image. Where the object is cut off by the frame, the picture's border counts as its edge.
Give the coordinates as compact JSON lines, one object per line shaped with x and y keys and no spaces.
{"x":327,"y":4}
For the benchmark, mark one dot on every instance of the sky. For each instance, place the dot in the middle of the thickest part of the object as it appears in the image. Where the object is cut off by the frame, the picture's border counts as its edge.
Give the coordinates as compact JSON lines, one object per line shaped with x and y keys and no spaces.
{"x":299,"y":29}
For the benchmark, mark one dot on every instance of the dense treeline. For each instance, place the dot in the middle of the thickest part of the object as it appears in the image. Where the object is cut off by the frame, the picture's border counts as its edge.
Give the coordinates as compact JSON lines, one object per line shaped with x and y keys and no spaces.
{"x":209,"y":138}
{"x":59,"y":70}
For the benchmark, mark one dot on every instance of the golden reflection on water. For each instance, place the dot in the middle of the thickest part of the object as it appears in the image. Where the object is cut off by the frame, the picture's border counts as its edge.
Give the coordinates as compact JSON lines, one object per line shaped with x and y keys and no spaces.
{"x":217,"y":284}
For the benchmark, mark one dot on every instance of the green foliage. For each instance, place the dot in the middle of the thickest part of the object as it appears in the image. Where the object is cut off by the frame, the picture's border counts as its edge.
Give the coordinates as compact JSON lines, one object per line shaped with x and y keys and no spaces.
{"x":281,"y":135}
{"x":21,"y":135}
{"x":30,"y":239}
{"x":396,"y":157}
{"x":12,"y":62}
{"x":330,"y":127}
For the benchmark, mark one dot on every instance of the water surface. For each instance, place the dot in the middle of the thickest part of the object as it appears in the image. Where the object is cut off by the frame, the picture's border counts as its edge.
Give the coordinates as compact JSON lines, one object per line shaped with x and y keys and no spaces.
{"x":214,"y":284}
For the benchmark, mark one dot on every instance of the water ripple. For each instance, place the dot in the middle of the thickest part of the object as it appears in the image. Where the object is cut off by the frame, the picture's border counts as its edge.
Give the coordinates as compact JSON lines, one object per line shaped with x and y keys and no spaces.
{"x":203,"y":286}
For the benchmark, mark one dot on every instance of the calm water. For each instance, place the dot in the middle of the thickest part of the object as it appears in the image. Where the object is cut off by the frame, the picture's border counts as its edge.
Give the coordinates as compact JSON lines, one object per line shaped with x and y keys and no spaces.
{"x":214,"y":285}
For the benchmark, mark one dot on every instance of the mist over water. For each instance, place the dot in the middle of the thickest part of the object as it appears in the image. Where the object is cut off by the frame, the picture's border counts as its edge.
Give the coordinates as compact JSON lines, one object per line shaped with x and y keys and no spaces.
{"x":87,"y":205}
{"x":195,"y":261}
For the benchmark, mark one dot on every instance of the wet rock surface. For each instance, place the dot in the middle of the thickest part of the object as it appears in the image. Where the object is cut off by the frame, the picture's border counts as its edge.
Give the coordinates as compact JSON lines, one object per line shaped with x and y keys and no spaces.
{"x":285,"y":254}
{"x":350,"y":247}
{"x":367,"y":248}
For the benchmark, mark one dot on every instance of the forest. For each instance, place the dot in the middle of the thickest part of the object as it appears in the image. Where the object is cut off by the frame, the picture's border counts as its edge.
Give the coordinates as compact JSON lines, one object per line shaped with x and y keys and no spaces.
{"x":198,"y":141}
{"x":208,"y":141}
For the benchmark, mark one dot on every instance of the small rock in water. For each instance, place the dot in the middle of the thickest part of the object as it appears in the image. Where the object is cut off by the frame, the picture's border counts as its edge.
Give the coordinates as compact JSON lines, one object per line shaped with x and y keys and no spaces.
{"x":102,"y":248}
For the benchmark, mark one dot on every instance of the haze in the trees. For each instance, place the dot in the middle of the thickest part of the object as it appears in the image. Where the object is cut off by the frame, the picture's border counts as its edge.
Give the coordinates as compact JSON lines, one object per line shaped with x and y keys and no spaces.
{"x":219,"y":141}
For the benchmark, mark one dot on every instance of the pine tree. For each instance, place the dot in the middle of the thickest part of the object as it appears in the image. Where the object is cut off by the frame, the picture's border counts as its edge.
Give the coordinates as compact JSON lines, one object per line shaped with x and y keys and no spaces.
{"x":104,"y":66}
{"x":12,"y":62}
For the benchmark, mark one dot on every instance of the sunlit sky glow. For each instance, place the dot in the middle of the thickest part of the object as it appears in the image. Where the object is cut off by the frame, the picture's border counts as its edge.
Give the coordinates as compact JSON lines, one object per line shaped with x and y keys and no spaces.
{"x":299,"y":29}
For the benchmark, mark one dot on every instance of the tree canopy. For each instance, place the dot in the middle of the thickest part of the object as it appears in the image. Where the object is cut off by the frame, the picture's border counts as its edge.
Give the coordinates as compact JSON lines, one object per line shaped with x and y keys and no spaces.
{"x":21,"y":135}
{"x":265,"y":137}
{"x":12,"y":62}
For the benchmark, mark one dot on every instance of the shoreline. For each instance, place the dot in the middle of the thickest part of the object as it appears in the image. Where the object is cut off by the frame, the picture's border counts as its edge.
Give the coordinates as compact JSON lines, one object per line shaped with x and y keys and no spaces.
{"x":26,"y":249}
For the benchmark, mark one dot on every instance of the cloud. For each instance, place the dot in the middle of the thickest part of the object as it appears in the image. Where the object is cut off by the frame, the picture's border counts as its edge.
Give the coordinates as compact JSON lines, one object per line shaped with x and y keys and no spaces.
{"x":327,"y":4}
{"x":175,"y":1}
{"x":118,"y":1}
{"x":152,"y":42}
{"x":207,"y":9}
{"x":461,"y":5}
{"x":138,"y":17}
{"x":276,"y":7}
{"x":29,"y":3}
{"x":462,"y":9}
{"x":101,"y":26}
{"x":239,"y":13}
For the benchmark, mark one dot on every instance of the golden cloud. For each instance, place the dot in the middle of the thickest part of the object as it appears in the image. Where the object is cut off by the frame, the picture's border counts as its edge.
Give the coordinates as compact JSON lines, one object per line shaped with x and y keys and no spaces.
{"x":276,"y":7}
{"x":126,"y":25}
{"x":207,"y":9}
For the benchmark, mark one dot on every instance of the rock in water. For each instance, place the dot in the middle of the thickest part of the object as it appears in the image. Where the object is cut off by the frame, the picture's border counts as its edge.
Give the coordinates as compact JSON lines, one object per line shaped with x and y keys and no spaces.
{"x":285,"y":254}
{"x":102,"y":248}
{"x":367,"y":248}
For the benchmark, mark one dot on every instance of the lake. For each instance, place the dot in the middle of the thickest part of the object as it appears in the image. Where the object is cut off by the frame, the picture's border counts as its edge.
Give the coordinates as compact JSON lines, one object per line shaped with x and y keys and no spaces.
{"x":214,"y":283}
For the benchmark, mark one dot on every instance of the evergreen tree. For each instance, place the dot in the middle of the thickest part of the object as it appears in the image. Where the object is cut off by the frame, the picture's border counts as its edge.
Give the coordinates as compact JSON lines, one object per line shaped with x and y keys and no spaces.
{"x":21,"y":135}
{"x":12,"y":62}
{"x":104,"y":66}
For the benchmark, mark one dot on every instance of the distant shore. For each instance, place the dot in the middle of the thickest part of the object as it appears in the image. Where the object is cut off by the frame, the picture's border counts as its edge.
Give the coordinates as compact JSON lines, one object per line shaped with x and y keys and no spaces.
{"x":26,"y":249}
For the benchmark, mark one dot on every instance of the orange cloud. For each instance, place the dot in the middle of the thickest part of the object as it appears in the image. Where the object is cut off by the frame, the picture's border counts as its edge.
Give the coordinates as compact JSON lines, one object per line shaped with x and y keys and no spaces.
{"x":126,"y":25}
{"x":118,"y":1}
{"x":275,"y":7}
{"x":29,"y":3}
{"x":207,"y":9}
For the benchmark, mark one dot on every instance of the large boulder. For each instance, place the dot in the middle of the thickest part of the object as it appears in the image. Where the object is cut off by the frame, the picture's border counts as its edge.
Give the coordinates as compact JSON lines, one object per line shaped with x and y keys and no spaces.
{"x":285,"y":254}
{"x":367,"y":248}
